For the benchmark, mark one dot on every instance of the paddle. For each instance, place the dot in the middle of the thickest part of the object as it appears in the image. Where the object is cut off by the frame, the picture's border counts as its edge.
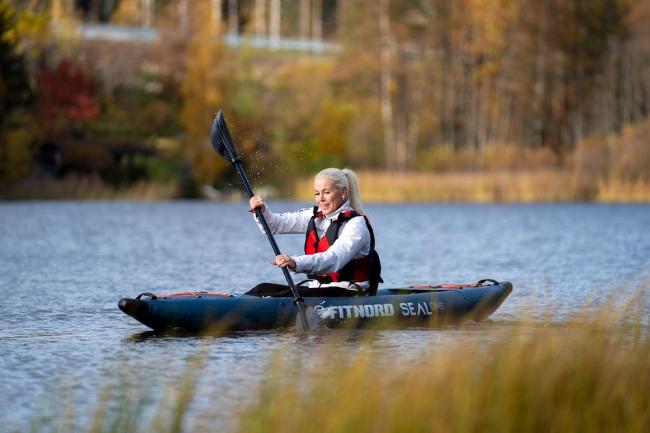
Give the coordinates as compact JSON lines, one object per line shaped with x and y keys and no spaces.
{"x":223,"y":144}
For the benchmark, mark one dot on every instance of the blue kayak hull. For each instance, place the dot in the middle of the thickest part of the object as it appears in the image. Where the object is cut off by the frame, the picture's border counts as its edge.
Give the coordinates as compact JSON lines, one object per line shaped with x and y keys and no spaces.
{"x":390,"y":308}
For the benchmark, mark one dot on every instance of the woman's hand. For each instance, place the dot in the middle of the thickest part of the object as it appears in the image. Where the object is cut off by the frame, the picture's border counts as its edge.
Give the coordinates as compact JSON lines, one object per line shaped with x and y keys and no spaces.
{"x":256,"y":202}
{"x":284,"y":260}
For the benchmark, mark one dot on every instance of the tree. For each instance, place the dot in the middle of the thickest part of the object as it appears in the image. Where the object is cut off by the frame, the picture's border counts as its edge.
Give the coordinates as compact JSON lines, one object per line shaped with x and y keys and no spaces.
{"x":14,"y":87}
{"x":16,"y":138}
{"x":203,"y":92}
{"x":66,"y":100}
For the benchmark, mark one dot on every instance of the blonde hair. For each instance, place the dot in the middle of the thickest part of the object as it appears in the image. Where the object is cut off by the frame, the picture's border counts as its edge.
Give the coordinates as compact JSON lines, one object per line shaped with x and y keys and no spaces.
{"x":347,"y":179}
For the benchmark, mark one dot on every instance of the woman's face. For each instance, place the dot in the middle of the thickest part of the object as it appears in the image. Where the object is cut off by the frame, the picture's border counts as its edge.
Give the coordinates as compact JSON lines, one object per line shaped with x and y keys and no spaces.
{"x":328,"y":197}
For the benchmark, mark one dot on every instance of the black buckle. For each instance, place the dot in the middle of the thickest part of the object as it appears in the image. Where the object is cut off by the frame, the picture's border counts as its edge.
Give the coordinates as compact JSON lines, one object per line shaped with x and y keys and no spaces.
{"x":488,"y":280}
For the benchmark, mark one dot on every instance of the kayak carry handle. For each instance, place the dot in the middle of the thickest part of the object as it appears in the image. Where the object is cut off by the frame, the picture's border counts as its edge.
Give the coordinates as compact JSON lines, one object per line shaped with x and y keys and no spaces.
{"x":487,"y":280}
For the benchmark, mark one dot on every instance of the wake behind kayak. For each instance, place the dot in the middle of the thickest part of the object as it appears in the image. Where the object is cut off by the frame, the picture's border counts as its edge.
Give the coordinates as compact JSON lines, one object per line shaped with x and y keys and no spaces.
{"x":414,"y":306}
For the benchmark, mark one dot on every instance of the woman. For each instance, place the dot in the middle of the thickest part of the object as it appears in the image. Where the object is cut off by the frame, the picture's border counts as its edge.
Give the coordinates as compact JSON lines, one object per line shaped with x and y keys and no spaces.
{"x":340,"y":257}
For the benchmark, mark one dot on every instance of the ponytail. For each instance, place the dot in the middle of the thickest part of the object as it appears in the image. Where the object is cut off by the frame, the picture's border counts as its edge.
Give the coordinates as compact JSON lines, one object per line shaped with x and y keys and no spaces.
{"x":354,"y":192}
{"x":349,"y":180}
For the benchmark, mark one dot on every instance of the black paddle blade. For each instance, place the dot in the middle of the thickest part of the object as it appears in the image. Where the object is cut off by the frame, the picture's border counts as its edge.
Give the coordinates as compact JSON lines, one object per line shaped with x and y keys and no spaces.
{"x":314,"y":321}
{"x":221,"y":140}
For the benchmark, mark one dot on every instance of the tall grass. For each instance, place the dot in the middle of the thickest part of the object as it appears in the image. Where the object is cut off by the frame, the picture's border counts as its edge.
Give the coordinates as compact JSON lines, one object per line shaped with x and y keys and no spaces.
{"x":131,"y":401}
{"x":588,"y":374}
{"x":591,"y":376}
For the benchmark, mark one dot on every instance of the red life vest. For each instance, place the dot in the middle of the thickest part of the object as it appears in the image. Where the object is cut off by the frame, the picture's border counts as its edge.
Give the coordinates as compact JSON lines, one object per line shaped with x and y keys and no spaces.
{"x":362,"y":269}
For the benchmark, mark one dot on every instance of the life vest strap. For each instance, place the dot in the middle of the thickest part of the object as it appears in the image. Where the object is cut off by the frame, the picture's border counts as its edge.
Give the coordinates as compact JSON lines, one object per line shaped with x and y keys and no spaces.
{"x":366,"y":268}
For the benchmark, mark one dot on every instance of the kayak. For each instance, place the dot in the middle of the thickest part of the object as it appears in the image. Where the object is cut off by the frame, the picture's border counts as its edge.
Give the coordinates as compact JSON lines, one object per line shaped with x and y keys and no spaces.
{"x":414,"y":306}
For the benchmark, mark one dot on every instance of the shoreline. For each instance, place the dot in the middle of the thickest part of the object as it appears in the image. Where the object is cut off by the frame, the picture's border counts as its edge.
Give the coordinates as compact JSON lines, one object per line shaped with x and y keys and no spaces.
{"x":533,"y":186}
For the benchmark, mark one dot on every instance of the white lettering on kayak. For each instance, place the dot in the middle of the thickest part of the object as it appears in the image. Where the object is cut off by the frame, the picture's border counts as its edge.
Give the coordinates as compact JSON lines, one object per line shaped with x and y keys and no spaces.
{"x":420,"y":308}
{"x":354,"y":311}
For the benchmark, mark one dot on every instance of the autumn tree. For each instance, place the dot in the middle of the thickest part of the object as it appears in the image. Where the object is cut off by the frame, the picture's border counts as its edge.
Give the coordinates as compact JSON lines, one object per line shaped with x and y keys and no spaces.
{"x":14,"y":87}
{"x":66,"y":100}
{"x":15,"y":96}
{"x":623,"y":95}
{"x":208,"y":69}
{"x":356,"y":77}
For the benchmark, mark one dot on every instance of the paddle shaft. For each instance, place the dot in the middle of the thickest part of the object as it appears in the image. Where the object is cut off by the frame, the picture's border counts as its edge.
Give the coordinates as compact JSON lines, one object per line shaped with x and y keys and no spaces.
{"x":297,"y":299}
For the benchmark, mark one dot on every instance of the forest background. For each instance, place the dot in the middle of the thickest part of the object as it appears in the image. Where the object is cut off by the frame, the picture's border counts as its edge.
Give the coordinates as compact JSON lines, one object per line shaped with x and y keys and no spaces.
{"x":472,"y":100}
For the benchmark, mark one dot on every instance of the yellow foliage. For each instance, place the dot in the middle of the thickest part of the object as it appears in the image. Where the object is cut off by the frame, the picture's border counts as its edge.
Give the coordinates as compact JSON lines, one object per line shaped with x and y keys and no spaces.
{"x":494,"y":156}
{"x":129,"y":13}
{"x":592,"y":157}
{"x":507,"y":155}
{"x":439,"y":158}
{"x":631,"y":153}
{"x":621,"y":190}
{"x":31,"y":33}
{"x":300,"y":88}
{"x":330,"y":126}
{"x":16,"y":154}
{"x":203,"y":88}
{"x":623,"y":158}
{"x":316,"y":130}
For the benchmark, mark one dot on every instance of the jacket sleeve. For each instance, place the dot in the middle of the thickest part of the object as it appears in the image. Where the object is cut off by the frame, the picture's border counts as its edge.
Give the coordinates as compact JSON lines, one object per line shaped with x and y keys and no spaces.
{"x":289,"y":222}
{"x":353,"y":242}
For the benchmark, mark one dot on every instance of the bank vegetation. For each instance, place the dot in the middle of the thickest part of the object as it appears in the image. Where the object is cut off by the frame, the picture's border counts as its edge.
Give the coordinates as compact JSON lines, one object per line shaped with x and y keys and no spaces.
{"x":469,"y":100}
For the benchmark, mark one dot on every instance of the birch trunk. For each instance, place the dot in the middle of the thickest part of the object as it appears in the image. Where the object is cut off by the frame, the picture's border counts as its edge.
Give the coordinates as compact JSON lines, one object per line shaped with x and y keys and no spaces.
{"x":317,"y":20}
{"x":233,"y":17}
{"x":275,"y":23}
{"x":259,"y":18}
{"x":304,"y":19}
{"x":216,"y":16}
{"x":386,"y":79}
{"x":147,"y":12}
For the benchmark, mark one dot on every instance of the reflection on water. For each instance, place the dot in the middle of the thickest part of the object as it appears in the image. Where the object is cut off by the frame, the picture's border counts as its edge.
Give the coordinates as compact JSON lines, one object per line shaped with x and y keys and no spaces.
{"x":63,"y":267}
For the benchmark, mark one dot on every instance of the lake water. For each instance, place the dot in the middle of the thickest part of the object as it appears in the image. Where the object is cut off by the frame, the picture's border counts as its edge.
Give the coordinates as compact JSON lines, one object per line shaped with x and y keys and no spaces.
{"x":64,"y":265}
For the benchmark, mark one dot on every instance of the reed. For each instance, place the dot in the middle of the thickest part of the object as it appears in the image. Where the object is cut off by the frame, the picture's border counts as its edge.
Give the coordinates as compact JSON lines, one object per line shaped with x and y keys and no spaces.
{"x":619,"y":190}
{"x":510,"y":186}
{"x":589,"y":373}
{"x":132,"y":400}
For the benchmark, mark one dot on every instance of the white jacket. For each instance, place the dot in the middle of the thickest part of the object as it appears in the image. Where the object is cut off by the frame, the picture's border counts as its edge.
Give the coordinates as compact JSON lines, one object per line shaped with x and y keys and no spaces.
{"x":353,"y":240}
